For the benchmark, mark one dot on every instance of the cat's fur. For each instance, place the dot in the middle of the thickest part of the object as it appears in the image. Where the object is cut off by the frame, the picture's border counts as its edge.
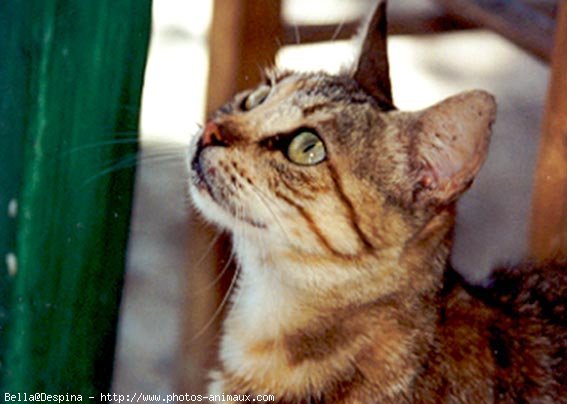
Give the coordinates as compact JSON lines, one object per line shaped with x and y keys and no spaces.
{"x":344,"y":293}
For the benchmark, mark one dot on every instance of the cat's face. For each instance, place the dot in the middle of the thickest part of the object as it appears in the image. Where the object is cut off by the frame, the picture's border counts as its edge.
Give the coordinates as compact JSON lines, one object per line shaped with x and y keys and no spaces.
{"x":299,"y":161}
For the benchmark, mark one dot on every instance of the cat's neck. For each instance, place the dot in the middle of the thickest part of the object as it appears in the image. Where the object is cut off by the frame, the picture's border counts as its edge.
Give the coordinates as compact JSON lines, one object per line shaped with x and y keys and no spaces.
{"x":294,"y":276}
{"x":280,"y":338}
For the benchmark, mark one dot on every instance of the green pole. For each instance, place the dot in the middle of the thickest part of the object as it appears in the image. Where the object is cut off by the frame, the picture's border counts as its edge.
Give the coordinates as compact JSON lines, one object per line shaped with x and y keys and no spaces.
{"x":74,"y":70}
{"x":13,"y":100}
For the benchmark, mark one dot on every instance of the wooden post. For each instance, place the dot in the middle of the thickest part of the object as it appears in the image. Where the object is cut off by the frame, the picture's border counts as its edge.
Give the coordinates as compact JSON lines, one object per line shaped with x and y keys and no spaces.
{"x":549,"y":206}
{"x":245,"y":36}
{"x":244,"y":39}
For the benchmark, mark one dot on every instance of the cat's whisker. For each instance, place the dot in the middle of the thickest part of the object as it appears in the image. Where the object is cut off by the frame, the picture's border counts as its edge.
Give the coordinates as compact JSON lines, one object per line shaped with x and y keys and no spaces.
{"x":144,"y":147}
{"x":264,"y":200}
{"x":158,"y":158}
{"x":132,"y":161}
{"x":238,"y":233}
{"x":159,"y":145}
{"x":338,"y":30}
{"x":279,"y":43}
{"x":219,"y":309}
{"x":217,"y":278}
{"x":174,"y":153}
{"x":161,"y":161}
{"x":97,"y":145}
{"x":122,"y":164}
{"x":297,"y":34}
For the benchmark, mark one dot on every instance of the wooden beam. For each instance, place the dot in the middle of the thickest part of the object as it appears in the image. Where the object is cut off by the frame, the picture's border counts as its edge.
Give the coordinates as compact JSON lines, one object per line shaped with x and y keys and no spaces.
{"x":549,"y":207}
{"x":525,"y":25}
{"x":548,"y":7}
{"x":398,"y":24}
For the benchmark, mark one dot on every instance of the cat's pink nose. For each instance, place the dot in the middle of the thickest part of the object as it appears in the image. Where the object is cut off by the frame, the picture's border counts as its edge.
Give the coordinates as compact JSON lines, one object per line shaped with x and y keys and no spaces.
{"x":212,"y":135}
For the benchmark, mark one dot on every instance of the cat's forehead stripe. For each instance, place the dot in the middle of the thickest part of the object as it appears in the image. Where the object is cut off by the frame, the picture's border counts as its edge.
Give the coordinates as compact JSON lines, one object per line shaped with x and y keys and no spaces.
{"x":311,"y":109}
{"x":315,"y":92}
{"x":325,"y":90}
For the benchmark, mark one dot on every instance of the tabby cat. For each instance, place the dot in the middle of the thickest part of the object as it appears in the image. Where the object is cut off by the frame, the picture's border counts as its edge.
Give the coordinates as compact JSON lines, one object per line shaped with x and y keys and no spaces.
{"x":341,"y":210}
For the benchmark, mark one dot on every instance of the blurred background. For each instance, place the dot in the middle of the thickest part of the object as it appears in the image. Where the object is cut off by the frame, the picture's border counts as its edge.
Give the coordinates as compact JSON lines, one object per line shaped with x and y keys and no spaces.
{"x":170,"y":293}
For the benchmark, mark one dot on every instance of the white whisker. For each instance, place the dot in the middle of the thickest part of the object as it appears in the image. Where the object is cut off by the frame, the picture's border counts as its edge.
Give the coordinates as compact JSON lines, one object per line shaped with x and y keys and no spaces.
{"x":297,"y":34}
{"x":219,"y":309}
{"x":221,"y":273}
{"x":338,"y":30}
{"x":265,"y":201}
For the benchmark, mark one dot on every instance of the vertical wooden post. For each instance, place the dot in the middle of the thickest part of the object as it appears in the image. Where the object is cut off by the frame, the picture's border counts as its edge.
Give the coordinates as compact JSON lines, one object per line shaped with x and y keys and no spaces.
{"x":549,"y":206}
{"x":245,"y":37}
{"x":200,"y":322}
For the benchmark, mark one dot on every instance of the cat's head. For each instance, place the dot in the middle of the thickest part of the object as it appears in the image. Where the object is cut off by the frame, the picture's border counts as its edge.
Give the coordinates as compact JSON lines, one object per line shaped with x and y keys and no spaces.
{"x":325,"y":165}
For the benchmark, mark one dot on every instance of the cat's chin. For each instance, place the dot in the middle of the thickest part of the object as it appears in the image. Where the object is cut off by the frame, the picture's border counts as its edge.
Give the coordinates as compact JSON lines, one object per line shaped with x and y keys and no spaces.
{"x":219,"y":215}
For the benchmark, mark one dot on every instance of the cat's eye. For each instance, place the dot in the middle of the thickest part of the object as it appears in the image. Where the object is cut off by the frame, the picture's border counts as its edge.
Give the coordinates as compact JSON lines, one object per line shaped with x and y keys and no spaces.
{"x":256,"y":97}
{"x":306,"y":149}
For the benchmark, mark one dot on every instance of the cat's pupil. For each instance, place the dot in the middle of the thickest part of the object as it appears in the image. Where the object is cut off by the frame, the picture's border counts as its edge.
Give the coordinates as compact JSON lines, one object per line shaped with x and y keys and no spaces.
{"x":306,"y":148}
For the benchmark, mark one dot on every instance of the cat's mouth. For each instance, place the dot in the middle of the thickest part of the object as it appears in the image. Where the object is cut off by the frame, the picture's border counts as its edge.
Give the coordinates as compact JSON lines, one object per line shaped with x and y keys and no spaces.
{"x":198,"y":176}
{"x":201,"y":179}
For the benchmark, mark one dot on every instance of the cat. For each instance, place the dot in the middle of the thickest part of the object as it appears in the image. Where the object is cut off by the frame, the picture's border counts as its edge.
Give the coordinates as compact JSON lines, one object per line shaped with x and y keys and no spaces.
{"x":341,"y":210}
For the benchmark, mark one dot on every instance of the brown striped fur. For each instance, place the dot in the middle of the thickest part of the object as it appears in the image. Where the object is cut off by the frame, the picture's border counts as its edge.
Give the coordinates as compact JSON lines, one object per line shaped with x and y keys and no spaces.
{"x":344,"y":293}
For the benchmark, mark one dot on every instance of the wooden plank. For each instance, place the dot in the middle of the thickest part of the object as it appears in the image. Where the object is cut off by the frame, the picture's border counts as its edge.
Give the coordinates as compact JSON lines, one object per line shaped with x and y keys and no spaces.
{"x":549,"y":206}
{"x":526,"y":26}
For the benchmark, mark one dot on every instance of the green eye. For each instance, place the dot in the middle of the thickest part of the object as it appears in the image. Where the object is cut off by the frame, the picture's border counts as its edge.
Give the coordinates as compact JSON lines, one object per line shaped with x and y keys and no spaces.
{"x":256,"y":97}
{"x":306,"y":149}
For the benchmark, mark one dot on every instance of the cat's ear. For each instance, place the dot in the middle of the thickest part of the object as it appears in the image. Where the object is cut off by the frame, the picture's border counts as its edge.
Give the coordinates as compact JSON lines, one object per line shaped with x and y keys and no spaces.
{"x":449,"y":145}
{"x":372,"y":71}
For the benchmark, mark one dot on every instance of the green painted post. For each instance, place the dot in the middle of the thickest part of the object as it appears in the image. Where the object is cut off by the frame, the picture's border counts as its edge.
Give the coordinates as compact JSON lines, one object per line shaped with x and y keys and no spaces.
{"x":71,"y":74}
{"x":13,"y":101}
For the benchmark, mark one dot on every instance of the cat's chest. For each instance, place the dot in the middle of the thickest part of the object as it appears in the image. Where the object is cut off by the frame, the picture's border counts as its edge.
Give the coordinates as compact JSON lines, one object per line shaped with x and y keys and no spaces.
{"x":253,"y":345}
{"x":273,"y":341}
